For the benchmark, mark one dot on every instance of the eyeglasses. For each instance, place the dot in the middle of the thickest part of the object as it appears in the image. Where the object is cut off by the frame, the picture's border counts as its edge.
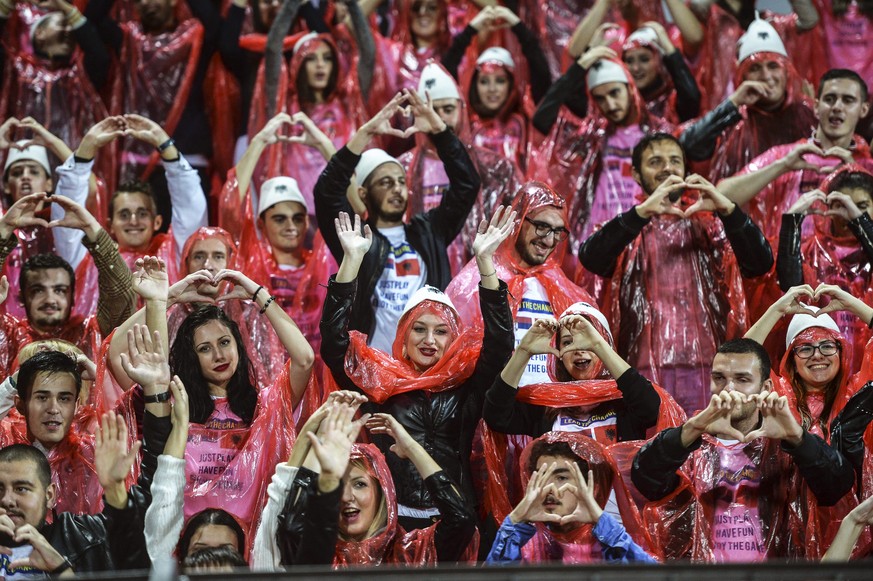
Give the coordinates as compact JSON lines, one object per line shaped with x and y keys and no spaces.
{"x":543,"y":230}
{"x":826,"y":349}
{"x":127,"y":215}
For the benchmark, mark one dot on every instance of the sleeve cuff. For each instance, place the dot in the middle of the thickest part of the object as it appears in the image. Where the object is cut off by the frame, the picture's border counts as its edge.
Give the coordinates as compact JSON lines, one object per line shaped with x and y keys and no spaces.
{"x":76,"y":166}
{"x":343,"y":289}
{"x":176,"y":166}
{"x":347,"y":158}
{"x":633,"y":221}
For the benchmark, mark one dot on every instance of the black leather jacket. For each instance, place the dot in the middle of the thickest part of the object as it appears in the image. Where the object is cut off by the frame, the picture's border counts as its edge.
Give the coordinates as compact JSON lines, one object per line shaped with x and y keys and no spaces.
{"x":429,"y":233}
{"x":443,"y":423}
{"x":700,"y":139}
{"x":309,"y":522}
{"x":114,"y":539}
{"x":847,"y":430}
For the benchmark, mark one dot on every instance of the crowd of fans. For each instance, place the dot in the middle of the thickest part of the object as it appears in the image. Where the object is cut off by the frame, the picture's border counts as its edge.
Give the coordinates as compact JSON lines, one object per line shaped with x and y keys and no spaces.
{"x":364,"y":282}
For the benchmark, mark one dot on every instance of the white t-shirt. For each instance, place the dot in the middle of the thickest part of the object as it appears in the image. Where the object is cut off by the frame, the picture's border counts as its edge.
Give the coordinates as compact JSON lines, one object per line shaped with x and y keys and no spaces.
{"x":16,"y":574}
{"x":405,"y":273}
{"x":534,"y":305}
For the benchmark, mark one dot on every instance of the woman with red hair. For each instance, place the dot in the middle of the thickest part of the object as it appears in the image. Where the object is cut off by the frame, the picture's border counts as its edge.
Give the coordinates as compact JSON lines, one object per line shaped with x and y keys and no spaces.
{"x":435,"y":379}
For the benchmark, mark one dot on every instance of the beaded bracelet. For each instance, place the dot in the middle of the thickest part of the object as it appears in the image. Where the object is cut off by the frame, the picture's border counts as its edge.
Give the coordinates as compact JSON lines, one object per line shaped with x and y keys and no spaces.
{"x":267,"y":304}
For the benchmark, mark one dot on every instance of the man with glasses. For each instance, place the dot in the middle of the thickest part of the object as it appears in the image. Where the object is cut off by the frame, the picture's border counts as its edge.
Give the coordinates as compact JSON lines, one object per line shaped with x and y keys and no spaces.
{"x":674,"y":271}
{"x":133,"y":218}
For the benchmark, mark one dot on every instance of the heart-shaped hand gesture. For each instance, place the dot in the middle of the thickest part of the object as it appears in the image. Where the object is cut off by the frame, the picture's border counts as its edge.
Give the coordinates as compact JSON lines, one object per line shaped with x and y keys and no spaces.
{"x":806,"y":203}
{"x":197,"y":287}
{"x":839,"y":300}
{"x":778,"y":422}
{"x":243,"y":286}
{"x":271,"y":133}
{"x":710,"y":200}
{"x":716,"y":418}
{"x":791,"y":302}
{"x":796,"y":161}
{"x":581,"y":335}
{"x":150,"y":281}
{"x":7,"y":129}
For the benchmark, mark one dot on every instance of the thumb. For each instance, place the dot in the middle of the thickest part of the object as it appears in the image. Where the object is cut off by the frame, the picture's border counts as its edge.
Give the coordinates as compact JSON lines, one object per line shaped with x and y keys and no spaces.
{"x":753,"y":435}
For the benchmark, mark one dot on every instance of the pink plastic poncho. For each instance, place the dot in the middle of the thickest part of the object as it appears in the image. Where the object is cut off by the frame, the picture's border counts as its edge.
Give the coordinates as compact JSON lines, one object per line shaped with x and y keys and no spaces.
{"x":391,"y":545}
{"x":578,"y":545}
{"x":32,"y":240}
{"x":661,"y":102}
{"x":428,"y":182}
{"x":759,"y":130}
{"x":158,"y":72}
{"x":571,"y":159}
{"x":668,"y":322}
{"x":848,"y":38}
{"x":743,"y":484}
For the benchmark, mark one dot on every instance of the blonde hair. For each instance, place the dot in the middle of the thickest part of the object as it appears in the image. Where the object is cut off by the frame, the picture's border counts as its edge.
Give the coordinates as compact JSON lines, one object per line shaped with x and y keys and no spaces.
{"x":380,"y":519}
{"x":32,"y":349}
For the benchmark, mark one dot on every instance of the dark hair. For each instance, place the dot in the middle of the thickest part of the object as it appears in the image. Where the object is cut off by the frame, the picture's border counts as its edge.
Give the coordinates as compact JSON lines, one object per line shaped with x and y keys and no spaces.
{"x":213,"y":558}
{"x":852,"y":180}
{"x":646,"y":142}
{"x":242,"y":396}
{"x":132,"y":187}
{"x":45,"y":261}
{"x":210,"y":516}
{"x":505,"y":109}
{"x":801,"y":391}
{"x":23,"y":453}
{"x":305,"y":94}
{"x":742,"y":346}
{"x":542,"y":448}
{"x":50,"y":363}
{"x":834,"y":74}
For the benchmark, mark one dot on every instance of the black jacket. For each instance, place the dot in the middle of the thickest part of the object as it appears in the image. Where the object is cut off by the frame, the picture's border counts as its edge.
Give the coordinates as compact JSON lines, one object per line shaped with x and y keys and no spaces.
{"x":789,"y":261}
{"x":636,"y":411}
{"x":826,"y":471}
{"x":847,"y":429}
{"x":700,"y":139}
{"x":309,"y":522}
{"x":429,"y":233}
{"x":444,"y":422}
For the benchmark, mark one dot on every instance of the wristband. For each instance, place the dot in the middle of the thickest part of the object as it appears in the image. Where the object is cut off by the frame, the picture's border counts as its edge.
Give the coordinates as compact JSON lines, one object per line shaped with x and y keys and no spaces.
{"x":61,"y":568}
{"x":267,"y":304}
{"x":166,"y":145}
{"x":157,"y":398}
{"x":489,"y":274}
{"x":255,"y":294}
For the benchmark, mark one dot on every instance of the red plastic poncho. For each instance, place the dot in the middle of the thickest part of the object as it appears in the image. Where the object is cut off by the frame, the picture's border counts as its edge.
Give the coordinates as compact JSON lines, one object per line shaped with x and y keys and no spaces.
{"x":391,"y":544}
{"x":158,"y":72}
{"x":428,"y":182}
{"x":381,"y":376}
{"x":579,"y":545}
{"x":759,"y":130}
{"x":341,"y":113}
{"x":724,"y":494}
{"x":82,"y":332}
{"x":571,"y":159}
{"x":32,"y":240}
{"x":668,"y":322}
{"x":660,"y":102}
{"x":463,"y":290}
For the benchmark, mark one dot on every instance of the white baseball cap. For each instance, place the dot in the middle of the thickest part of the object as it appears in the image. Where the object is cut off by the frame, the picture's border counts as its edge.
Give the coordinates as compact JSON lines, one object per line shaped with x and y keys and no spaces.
{"x":370,"y":160}
{"x":606,"y":71}
{"x":644,"y":36}
{"x":759,"y":37}
{"x":280,"y":189}
{"x":496,"y":55}
{"x":438,"y":83}
{"x":32,"y":152}
{"x":428,"y":293}
{"x":801,"y":322}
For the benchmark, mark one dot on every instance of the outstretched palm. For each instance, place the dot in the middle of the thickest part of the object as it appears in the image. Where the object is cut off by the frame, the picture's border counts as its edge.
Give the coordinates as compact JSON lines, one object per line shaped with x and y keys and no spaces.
{"x":146,"y":363}
{"x":491,"y":234}
{"x":150,"y":281}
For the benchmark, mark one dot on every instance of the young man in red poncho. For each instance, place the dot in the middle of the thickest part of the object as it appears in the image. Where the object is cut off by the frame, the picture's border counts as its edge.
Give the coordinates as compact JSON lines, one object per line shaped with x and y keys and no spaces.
{"x":725,"y":473}
{"x":767,"y":108}
{"x":589,"y":160}
{"x":674,"y":289}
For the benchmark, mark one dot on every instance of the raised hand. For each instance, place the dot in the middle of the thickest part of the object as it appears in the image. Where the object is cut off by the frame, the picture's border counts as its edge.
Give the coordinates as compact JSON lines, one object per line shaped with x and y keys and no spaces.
{"x":355,"y":242}
{"x":663,"y":38}
{"x":150,"y":281}
{"x":144,"y":129}
{"x":243,"y":287}
{"x":530,"y":509}
{"x":778,"y":421}
{"x":538,"y":339}
{"x":711,"y":200}
{"x":42,"y":135}
{"x":75,"y":216}
{"x":841,"y":153}
{"x":146,"y":362}
{"x":386,"y":424}
{"x":333,"y":443}
{"x":179,"y":417}
{"x":7,"y":130}
{"x":193,"y":289}
{"x":795,"y":161}
{"x":601,"y":34}
{"x":425,"y":119}
{"x":380,"y":123}
{"x":581,"y":336}
{"x":805,"y":204}
{"x":271,"y":133}
{"x":21,"y":214}
{"x":491,"y":234}
{"x":587,"y":510}
{"x":659,"y":201}
{"x":842,"y":206}
{"x":4,"y":289}
{"x":100,"y":134}
{"x":594,"y":54}
{"x":749,"y":93}
{"x":311,"y":135}
{"x":112,"y":458}
{"x":840,"y":300}
{"x":715,"y":419}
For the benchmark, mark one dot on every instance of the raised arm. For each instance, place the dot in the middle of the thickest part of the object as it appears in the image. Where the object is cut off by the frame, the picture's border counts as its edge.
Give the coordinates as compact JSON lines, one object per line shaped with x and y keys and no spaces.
{"x":269,"y":135}
{"x":457,"y":523}
{"x":301,"y":355}
{"x":585,"y":29}
{"x":789,"y":262}
{"x":687,"y":23}
{"x":851,"y":527}
{"x":788,"y":304}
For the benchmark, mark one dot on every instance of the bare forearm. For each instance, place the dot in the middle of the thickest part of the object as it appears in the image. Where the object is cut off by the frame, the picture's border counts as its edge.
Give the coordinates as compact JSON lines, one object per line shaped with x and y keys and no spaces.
{"x":515,"y":367}
{"x":844,"y":541}
{"x":245,"y":168}
{"x":611,"y":360}
{"x":301,"y":355}
{"x":585,"y":30}
{"x":762,"y":327}
{"x":740,"y":189}
{"x":686,"y":21}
